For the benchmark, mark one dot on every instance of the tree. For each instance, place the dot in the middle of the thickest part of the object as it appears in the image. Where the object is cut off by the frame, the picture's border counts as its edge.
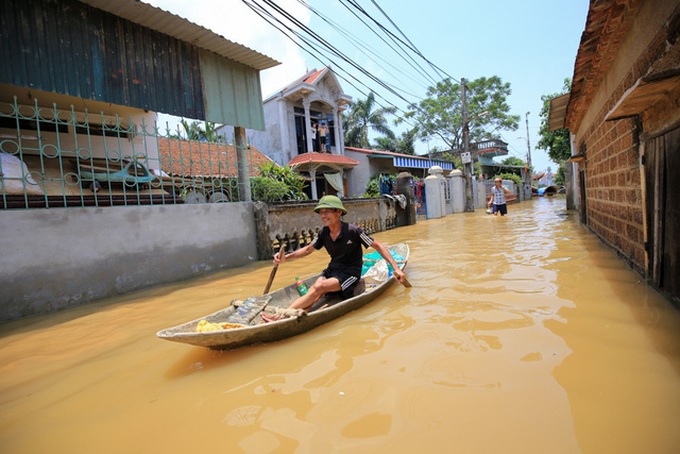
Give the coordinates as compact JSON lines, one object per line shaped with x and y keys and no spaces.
{"x":194,"y":131}
{"x":386,"y":144}
{"x":556,"y":143}
{"x":406,"y":144}
{"x":513,"y":161}
{"x":363,"y":115}
{"x":440,"y":115}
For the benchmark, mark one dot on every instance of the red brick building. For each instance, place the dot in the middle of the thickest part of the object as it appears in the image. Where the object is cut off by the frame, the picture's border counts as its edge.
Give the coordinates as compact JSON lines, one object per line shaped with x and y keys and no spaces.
{"x":624,"y":118}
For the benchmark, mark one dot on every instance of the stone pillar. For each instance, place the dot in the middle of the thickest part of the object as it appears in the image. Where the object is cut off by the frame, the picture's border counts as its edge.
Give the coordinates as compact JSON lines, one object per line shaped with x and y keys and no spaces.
{"x":308,"y":125}
{"x":341,"y":134}
{"x":457,"y":191}
{"x":312,"y":175}
{"x":406,"y":216}
{"x":434,"y":193}
{"x":241,"y":147}
{"x":336,"y":131}
{"x":285,"y":137}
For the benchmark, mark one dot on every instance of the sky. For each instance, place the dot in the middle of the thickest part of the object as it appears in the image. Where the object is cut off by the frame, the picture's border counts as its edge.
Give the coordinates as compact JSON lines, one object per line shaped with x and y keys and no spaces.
{"x":531,"y":44}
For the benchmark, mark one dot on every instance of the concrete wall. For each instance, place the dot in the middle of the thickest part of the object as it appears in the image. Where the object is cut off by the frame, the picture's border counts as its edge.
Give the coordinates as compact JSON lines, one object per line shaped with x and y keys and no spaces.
{"x":56,"y":258}
{"x":297,"y":224}
{"x":269,"y":140}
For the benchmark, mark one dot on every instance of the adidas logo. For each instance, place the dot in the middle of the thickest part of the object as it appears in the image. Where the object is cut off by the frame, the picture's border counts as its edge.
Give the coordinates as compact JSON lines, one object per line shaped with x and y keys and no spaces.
{"x":349,"y":242}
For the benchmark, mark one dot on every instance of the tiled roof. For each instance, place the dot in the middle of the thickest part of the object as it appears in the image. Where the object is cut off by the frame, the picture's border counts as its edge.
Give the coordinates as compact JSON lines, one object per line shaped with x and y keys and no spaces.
{"x":314,"y":76}
{"x":606,"y":26}
{"x":202,"y":159}
{"x":322,"y":158}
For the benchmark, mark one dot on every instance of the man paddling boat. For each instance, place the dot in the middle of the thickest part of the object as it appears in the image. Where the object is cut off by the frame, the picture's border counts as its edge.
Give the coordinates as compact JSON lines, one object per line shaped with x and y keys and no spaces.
{"x":343,"y":242}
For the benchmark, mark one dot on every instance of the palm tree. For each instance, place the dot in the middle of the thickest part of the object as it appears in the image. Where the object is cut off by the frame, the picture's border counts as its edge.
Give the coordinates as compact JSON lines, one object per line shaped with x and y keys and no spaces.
{"x":360,"y":117}
{"x":194,"y":131}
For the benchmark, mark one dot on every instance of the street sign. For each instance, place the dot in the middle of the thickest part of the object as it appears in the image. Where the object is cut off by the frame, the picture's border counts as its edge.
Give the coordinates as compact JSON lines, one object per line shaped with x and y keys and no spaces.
{"x":466,"y":157}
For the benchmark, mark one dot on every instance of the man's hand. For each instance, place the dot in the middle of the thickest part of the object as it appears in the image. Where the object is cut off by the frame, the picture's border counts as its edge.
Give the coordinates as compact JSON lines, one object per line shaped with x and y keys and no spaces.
{"x":400,"y":276}
{"x":280,"y":257}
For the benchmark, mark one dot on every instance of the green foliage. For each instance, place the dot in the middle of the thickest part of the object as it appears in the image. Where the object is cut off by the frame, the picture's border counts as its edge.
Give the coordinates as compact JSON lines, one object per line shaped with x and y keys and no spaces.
{"x":513,"y":161}
{"x":194,"y":131}
{"x":267,"y":190}
{"x":559,"y":176}
{"x":362,"y":115}
{"x":440,"y":115}
{"x":510,"y":176}
{"x":556,"y":143}
{"x":279,"y":177}
{"x":406,"y":144}
{"x":372,"y":187}
{"x":386,"y":144}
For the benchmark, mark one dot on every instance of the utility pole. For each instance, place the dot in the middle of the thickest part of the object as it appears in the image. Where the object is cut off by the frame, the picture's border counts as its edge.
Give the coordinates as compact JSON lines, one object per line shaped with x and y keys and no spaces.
{"x":528,"y":145}
{"x":465,"y":156}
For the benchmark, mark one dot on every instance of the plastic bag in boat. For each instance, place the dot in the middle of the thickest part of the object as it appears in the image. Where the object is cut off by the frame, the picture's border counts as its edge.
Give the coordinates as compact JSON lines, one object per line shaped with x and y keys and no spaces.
{"x":378,"y":273}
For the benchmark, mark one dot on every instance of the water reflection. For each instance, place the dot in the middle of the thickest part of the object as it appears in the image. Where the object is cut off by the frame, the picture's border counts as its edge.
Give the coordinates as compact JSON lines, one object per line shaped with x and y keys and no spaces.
{"x":521,"y":334}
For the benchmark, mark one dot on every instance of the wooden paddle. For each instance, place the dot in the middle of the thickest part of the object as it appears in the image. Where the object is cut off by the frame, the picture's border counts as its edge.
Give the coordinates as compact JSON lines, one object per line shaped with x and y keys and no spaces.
{"x":273,"y":273}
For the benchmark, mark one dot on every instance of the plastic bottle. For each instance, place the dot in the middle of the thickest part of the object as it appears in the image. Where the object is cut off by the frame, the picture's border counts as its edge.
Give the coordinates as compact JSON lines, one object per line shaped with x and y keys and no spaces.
{"x":301,"y":287}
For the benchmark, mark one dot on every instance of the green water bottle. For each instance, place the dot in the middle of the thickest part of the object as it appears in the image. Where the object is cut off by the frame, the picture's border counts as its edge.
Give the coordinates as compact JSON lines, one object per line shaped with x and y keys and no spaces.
{"x":301,"y":287}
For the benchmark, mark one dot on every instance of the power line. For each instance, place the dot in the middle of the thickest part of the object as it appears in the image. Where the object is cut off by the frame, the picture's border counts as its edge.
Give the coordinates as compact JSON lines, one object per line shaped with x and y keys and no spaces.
{"x":261,"y":11}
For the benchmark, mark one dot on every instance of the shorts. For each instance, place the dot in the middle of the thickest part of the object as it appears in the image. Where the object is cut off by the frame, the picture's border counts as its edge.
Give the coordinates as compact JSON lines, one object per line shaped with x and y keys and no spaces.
{"x":347,"y":281}
{"x":502,"y":209}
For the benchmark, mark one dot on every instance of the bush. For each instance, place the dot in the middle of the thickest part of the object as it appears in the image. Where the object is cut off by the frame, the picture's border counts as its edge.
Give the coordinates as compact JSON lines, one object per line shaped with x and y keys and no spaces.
{"x":380,"y":184}
{"x":278,"y":184}
{"x":372,"y":188}
{"x":267,"y":190}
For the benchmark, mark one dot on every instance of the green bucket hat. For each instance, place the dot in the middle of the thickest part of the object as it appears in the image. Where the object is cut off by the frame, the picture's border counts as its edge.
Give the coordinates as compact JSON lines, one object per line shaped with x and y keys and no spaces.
{"x":332,"y":202}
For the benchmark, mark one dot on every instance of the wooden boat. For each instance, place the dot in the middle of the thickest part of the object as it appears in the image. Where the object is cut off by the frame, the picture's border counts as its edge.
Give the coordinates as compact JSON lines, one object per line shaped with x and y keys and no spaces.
{"x":227,"y":333}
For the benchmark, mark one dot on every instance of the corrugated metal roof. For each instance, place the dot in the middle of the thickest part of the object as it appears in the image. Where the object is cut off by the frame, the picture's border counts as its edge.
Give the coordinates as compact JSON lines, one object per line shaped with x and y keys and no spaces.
{"x":170,"y":24}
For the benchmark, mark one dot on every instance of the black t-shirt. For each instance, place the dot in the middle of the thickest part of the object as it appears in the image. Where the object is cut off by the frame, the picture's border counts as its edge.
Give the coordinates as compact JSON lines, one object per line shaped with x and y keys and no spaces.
{"x":346,"y":251}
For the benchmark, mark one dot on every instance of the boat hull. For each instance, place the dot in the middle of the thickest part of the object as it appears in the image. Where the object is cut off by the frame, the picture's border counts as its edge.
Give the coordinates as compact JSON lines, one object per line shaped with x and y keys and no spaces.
{"x":257,"y":332}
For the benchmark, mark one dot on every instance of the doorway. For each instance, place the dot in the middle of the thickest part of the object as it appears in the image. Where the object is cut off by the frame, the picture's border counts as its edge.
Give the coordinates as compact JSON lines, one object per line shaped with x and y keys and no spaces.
{"x":662,"y":168}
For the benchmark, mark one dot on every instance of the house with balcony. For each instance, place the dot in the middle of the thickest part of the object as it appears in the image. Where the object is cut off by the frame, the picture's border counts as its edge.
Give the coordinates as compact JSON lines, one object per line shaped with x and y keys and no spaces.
{"x":304,"y":130}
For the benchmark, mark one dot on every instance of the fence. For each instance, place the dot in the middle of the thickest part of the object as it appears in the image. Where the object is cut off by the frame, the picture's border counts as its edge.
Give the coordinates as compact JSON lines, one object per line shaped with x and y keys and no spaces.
{"x":295,"y":224}
{"x":56,"y":158}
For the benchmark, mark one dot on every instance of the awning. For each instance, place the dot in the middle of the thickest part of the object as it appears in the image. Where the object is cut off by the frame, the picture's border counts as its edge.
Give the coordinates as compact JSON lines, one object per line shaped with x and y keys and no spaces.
{"x":558,"y":112}
{"x":321,"y":162}
{"x":579,"y":158}
{"x":642,"y":96}
{"x":420,"y":163}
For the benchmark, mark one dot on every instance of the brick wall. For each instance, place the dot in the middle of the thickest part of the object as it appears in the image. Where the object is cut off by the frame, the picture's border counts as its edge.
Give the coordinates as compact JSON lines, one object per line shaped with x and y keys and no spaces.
{"x":613,"y":169}
{"x":613,"y":188}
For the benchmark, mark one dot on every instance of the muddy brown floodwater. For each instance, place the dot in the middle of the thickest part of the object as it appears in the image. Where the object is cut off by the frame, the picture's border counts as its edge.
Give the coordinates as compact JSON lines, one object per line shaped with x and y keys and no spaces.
{"x":520,"y":335}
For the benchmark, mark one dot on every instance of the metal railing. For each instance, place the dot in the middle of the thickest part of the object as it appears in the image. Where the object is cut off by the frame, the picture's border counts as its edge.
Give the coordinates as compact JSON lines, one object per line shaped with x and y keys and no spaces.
{"x":65,"y":158}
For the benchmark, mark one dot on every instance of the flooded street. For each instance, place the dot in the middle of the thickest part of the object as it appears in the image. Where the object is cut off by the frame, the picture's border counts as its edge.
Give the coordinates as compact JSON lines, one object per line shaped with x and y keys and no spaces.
{"x":520,"y":335}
